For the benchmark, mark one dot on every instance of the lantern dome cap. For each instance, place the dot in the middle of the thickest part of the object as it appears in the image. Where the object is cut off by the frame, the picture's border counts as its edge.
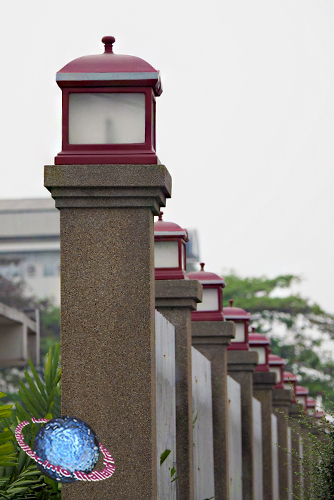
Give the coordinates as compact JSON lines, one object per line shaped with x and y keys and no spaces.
{"x":290,"y":376}
{"x":276,"y":360}
{"x":206,"y":277}
{"x":310,"y":403}
{"x":301,"y":391}
{"x":164,"y":228}
{"x":235,"y":312}
{"x":258,"y":338}
{"x":110,"y":67}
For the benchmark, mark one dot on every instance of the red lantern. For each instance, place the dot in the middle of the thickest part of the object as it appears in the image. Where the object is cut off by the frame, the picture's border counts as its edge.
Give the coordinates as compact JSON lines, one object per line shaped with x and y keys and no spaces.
{"x":169,"y":250}
{"x":211,"y":308}
{"x":301,"y":396}
{"x":108,"y":109}
{"x":260,"y":344}
{"x":241,"y":319}
{"x":276,"y":365}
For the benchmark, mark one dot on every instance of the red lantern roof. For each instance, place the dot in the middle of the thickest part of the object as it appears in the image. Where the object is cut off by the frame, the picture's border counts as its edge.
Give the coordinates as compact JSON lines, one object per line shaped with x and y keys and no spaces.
{"x":110,"y":67}
{"x":206,"y":278}
{"x":310,"y":403}
{"x":301,"y":391}
{"x":231,"y":312}
{"x":288,"y":376}
{"x":275,"y":360}
{"x":164,"y":228}
{"x":258,"y":338}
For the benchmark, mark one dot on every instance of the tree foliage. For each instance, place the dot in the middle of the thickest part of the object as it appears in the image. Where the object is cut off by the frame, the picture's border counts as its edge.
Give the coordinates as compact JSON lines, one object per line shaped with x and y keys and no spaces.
{"x":296,"y":326}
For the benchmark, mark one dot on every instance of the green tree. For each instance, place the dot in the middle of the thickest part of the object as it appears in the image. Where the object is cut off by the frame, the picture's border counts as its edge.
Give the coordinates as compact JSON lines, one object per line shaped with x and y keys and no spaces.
{"x":296,"y":326}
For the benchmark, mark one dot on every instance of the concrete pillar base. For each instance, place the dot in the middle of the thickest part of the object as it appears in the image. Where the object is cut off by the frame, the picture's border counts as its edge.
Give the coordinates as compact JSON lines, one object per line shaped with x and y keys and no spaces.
{"x":175,"y":299}
{"x":241,"y":365}
{"x":211,"y":338}
{"x":107,"y":315}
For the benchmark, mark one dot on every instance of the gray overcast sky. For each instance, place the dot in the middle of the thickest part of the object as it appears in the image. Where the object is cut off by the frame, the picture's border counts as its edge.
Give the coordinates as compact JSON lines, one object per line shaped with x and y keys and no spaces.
{"x":245,"y":122}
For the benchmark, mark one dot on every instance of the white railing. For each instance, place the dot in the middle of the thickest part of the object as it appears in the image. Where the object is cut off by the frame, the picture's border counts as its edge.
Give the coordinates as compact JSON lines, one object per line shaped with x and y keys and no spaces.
{"x":274,"y":440}
{"x":258,"y":459}
{"x":166,"y":422}
{"x":202,"y":426}
{"x":234,"y":436}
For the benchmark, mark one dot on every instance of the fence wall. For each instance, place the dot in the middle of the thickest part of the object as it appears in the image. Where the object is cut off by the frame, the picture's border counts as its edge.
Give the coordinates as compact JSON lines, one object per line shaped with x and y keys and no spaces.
{"x":234,"y":435}
{"x":166,"y":423}
{"x":258,"y":459}
{"x":289,"y":461}
{"x":274,"y":439}
{"x":202,"y":426}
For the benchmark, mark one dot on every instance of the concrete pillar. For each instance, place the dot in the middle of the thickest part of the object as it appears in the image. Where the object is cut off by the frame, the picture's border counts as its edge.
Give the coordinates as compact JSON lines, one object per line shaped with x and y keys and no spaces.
{"x":281,"y":405}
{"x":296,"y":433}
{"x":211,"y":338}
{"x":175,"y":299}
{"x":263,"y":383}
{"x":241,"y":365}
{"x":107,"y":315}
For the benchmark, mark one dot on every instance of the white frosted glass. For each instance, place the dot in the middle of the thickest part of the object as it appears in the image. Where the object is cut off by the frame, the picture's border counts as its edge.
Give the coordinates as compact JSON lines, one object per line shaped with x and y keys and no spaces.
{"x":166,"y":254}
{"x":210,"y":300}
{"x":261,"y":352}
{"x":106,"y":118}
{"x":277,"y":371}
{"x":239,"y":333}
{"x":301,"y":401}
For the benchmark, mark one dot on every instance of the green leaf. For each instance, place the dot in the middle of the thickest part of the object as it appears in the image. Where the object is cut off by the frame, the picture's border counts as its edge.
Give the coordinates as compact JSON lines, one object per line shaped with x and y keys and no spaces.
{"x":175,"y":478}
{"x":172,"y":472}
{"x":164,"y":455}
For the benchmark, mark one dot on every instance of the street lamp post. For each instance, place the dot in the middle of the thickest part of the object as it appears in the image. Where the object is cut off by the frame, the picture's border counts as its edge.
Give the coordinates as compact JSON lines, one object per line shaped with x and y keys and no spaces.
{"x":108,"y":184}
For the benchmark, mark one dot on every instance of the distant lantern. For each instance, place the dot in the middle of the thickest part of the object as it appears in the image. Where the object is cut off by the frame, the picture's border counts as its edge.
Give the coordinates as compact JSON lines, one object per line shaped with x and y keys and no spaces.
{"x":260,"y":343}
{"x":169,"y":250}
{"x":276,"y":365}
{"x":211,"y":308}
{"x":241,"y":319}
{"x":290,"y":379}
{"x":310,"y":406}
{"x":301,"y":394}
{"x":108,"y":109}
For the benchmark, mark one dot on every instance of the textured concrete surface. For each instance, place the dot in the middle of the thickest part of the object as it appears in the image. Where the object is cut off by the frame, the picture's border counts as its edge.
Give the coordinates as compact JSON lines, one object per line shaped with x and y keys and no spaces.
{"x":211,"y":338}
{"x":281,"y":403}
{"x":175,"y":299}
{"x":263,"y":383}
{"x":241,"y":365}
{"x":109,"y":185}
{"x":296,"y":432}
{"x":107,"y":320}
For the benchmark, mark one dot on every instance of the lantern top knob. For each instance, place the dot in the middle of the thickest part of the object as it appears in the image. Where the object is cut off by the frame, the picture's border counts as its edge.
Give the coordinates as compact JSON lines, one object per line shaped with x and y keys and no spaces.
{"x":206,"y":277}
{"x":232,"y":312}
{"x":160,"y":215}
{"x":108,"y":43}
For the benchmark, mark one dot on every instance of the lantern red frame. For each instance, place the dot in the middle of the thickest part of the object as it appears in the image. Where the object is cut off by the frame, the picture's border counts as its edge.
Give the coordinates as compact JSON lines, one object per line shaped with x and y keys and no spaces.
{"x":258,"y":340}
{"x":81,"y":154}
{"x":209,"y":281}
{"x":275,"y":360}
{"x":173,"y":273}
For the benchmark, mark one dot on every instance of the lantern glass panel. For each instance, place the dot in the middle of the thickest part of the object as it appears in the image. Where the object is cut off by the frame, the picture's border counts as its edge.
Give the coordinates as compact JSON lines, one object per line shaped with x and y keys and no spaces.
{"x":239,"y":333}
{"x":166,"y":254}
{"x":277,"y":371}
{"x":261,"y":352}
{"x":106,"y":118}
{"x":210,"y":300}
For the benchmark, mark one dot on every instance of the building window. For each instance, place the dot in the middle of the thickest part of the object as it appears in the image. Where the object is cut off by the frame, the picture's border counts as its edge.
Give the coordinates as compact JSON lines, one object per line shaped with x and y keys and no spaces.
{"x":48,"y":269}
{"x":31,"y":271}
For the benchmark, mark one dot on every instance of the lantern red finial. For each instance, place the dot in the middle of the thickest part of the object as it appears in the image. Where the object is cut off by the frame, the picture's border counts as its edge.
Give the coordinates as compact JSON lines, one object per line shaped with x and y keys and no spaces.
{"x":160,"y":215}
{"x":202,"y":264}
{"x":231,"y":302}
{"x":253,"y":329}
{"x":108,"y":43}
